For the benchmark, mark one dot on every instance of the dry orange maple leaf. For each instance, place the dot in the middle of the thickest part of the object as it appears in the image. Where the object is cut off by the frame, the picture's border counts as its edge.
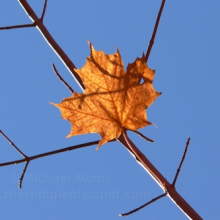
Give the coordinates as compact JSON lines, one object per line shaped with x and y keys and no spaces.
{"x":113,"y":98}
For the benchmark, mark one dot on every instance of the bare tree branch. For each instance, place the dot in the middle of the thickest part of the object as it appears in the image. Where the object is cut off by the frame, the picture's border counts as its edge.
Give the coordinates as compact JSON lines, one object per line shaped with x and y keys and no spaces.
{"x":28,"y":159}
{"x":144,"y":161}
{"x":17,"y":26}
{"x":27,"y":25}
{"x":1,"y":132}
{"x":22,"y":175}
{"x":44,"y":9}
{"x":141,"y":207}
{"x":62,"y":80}
{"x":141,"y":135}
{"x":158,"y":177}
{"x":51,"y":153}
{"x":155,"y":31}
{"x":181,"y":162}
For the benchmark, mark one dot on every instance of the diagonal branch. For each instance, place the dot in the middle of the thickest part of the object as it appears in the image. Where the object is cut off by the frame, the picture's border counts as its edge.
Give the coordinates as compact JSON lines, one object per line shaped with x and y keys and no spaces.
{"x":158,"y":177}
{"x":1,"y":132}
{"x":26,"y":157}
{"x":155,"y":31}
{"x":181,"y":162}
{"x":141,"y":207}
{"x":140,"y":157}
{"x":142,"y":136}
{"x":62,"y":80}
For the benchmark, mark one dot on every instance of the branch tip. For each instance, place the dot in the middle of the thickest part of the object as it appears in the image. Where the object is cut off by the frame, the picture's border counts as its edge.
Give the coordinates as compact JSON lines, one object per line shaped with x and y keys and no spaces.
{"x":141,"y":207}
{"x":17,"y":26}
{"x":51,"y":153}
{"x":142,"y":136}
{"x":13,"y":144}
{"x":181,"y":162}
{"x":62,"y":80}
{"x":43,"y":12}
{"x":155,"y":31}
{"x":22,"y":175}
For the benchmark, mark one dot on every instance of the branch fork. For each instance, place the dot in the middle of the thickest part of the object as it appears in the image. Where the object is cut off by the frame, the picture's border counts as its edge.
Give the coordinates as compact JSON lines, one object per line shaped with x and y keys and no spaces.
{"x":34,"y":24}
{"x":169,"y":189}
{"x":27,"y":159}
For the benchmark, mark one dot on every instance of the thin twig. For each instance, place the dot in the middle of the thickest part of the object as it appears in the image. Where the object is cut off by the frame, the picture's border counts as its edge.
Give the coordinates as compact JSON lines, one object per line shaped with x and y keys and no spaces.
{"x":181,"y":162}
{"x":155,"y":31}
{"x":142,"y":135}
{"x":26,"y":158}
{"x":44,"y":9}
{"x":62,"y":80}
{"x":17,"y":26}
{"x":141,"y":207}
{"x":13,"y":144}
{"x":52,"y":153}
{"x":22,"y":175}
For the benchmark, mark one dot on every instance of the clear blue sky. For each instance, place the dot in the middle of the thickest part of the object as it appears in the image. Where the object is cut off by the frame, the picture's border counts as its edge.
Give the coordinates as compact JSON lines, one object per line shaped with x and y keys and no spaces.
{"x":90,"y":184}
